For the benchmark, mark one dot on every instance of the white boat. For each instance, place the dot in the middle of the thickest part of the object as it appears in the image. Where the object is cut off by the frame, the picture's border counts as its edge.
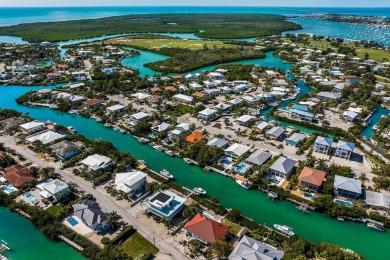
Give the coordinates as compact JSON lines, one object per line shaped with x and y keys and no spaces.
{"x":70,"y":128}
{"x":189,"y":161}
{"x":170,"y":153}
{"x":143,"y":140}
{"x":166,"y":174}
{"x":272,"y":194}
{"x":107,"y":125}
{"x":158,"y":148}
{"x":243,"y":184}
{"x":116,"y":128}
{"x":376,"y":226}
{"x":285,"y":230}
{"x":199,"y":191}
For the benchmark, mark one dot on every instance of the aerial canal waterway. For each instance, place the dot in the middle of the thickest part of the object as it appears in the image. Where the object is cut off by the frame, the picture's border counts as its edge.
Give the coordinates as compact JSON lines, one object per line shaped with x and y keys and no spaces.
{"x":28,"y":243}
{"x":256,"y":205}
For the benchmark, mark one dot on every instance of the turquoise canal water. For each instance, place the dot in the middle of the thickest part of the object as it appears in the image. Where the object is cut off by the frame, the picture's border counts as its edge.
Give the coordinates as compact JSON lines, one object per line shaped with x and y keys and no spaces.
{"x":28,"y":243}
{"x":253,"y":204}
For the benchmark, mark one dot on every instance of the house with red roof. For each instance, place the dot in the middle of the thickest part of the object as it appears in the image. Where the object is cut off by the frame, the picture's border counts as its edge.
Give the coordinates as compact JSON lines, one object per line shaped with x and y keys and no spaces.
{"x":195,"y":137}
{"x":17,"y":175}
{"x":311,"y":179}
{"x":206,"y":230}
{"x":93,"y":102}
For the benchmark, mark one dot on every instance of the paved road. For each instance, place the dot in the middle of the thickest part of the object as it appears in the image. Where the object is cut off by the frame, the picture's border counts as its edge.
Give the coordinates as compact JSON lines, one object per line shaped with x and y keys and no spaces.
{"x":107,"y":202}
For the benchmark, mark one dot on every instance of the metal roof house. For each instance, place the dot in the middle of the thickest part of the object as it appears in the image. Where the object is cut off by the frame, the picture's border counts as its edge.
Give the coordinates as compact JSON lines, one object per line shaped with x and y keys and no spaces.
{"x":377,"y":200}
{"x":350,"y":116}
{"x":344,"y":149}
{"x":96,"y":162}
{"x":53,"y":189}
{"x":91,"y":214}
{"x":208,"y":114}
{"x":163,"y":127}
{"x":130,"y":182}
{"x":258,"y":158}
{"x":218,"y":142}
{"x":323,"y":144}
{"x":295,"y":138}
{"x":138,"y":117}
{"x":329,"y":95}
{"x":236,"y":150}
{"x":251,"y":249}
{"x":301,"y":115}
{"x":347,"y":187}
{"x":46,"y":137}
{"x":165,"y":204}
{"x":282,"y":167}
{"x":32,"y":127}
{"x":275,"y":132}
{"x":244,"y":119}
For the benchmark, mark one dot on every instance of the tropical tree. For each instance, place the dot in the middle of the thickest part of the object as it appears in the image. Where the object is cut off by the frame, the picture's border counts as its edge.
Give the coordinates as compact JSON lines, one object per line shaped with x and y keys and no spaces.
{"x":114,"y":219}
{"x":220,"y":249}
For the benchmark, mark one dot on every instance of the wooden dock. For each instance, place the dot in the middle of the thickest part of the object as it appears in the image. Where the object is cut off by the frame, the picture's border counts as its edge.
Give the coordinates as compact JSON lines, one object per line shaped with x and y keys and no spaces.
{"x":21,"y":212}
{"x":301,"y":203}
{"x":71,"y":243}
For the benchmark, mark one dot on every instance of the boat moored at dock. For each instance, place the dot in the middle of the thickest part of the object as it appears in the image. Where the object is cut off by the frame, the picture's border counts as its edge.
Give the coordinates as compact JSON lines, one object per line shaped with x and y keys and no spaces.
{"x":284,"y":230}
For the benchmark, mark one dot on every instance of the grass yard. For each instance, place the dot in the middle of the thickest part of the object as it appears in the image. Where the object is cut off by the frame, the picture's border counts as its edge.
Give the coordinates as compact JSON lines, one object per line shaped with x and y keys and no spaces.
{"x":136,"y":245}
{"x":169,"y":43}
{"x":377,"y":55}
{"x":54,"y":210}
{"x":179,"y":110}
{"x":233,"y":228}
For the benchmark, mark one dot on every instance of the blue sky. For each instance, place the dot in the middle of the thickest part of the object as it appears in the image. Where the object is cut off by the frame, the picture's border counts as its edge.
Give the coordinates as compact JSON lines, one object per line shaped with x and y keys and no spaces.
{"x":306,"y":3}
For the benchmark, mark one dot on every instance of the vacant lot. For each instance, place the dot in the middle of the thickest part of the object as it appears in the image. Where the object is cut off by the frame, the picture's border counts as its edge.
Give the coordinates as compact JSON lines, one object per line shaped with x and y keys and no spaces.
{"x":137,"y":245}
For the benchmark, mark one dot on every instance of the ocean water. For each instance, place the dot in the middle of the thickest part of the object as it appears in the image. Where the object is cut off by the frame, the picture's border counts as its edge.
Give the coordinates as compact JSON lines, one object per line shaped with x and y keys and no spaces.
{"x":11,"y":16}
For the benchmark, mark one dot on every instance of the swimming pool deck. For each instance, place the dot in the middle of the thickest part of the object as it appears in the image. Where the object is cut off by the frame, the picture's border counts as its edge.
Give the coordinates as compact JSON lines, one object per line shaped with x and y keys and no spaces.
{"x":80,"y":228}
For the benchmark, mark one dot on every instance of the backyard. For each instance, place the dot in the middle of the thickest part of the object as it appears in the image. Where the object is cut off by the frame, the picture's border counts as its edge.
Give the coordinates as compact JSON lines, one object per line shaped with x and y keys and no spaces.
{"x":137,"y":245}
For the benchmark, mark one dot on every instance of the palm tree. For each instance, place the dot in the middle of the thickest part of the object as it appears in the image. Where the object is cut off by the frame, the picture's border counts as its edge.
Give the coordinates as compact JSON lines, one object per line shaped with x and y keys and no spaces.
{"x":114,"y":219}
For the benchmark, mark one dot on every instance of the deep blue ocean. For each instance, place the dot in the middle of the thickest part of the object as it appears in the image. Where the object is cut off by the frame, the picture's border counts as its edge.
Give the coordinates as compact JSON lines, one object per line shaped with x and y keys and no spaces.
{"x":12,"y":16}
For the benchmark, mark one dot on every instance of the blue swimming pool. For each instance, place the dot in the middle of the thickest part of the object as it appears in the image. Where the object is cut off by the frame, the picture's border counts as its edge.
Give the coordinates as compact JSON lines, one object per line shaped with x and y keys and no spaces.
{"x":344,"y":202}
{"x":72,"y":221}
{"x":309,"y":195}
{"x":151,"y":135}
{"x":240,"y":167}
{"x":225,"y":162}
{"x":30,"y":196}
{"x":8,"y":190}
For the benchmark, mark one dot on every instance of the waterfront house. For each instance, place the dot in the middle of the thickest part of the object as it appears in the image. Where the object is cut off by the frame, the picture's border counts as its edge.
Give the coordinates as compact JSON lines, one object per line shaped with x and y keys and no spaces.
{"x":236,"y":150}
{"x":54,"y":76}
{"x":46,"y":137}
{"x":251,"y":249}
{"x":10,"y":123}
{"x":301,"y":115}
{"x":244,"y":120}
{"x":265,"y":96}
{"x":138,"y":117}
{"x":96,"y":162}
{"x":130,"y":182}
{"x":208,"y":114}
{"x":263,"y":126}
{"x":377,"y":200}
{"x":215,"y":76}
{"x":53,"y":190}
{"x":115,"y":109}
{"x":93,"y":102}
{"x":205,"y":230}
{"x":324,"y":95}
{"x":65,"y":150}
{"x":323,"y":144}
{"x":350,"y":116}
{"x":190,"y":77}
{"x":282,"y":167}
{"x":75,"y":99}
{"x":79,"y":75}
{"x":295,"y":139}
{"x":344,"y":149}
{"x":165,"y":204}
{"x":181,"y":98}
{"x":258,"y":158}
{"x":17,"y":175}
{"x":163,"y":127}
{"x":32,"y":127}
{"x":311,"y":179}
{"x":235,"y":101}
{"x":347,"y":187}
{"x":195,"y":137}
{"x":275,"y":132}
{"x":92,"y":214}
{"x":218,"y":142}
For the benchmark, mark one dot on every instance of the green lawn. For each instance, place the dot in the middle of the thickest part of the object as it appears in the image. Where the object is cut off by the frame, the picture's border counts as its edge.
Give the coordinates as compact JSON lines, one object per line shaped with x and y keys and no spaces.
{"x":136,"y":245}
{"x":179,"y":110}
{"x":233,"y":228}
{"x":171,"y":43}
{"x":53,"y":210}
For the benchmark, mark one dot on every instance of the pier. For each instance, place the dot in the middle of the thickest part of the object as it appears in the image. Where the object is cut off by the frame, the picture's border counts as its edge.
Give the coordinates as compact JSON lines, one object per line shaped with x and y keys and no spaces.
{"x":301,"y":204}
{"x":21,"y":212}
{"x":71,"y":243}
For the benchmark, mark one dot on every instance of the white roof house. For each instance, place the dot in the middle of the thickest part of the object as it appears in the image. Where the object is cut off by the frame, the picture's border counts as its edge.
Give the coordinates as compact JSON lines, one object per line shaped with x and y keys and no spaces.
{"x":140,"y":96}
{"x":130,"y":181}
{"x":46,"y":137}
{"x":262,"y":126}
{"x":183,"y":127}
{"x":235,"y":101}
{"x":33,"y":126}
{"x":53,"y":188}
{"x":96,"y":162}
{"x":140,"y":116}
{"x":236,"y":150}
{"x":115,"y":108}
{"x":377,"y":199}
{"x":184,"y":98}
{"x":251,"y":249}
{"x":244,"y":119}
{"x":161,"y":127}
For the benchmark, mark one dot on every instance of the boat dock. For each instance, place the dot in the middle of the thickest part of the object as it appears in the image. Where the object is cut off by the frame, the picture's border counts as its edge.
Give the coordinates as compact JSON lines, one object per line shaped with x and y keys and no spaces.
{"x":219,"y":171}
{"x":71,"y":243}
{"x":301,"y":204}
{"x":21,"y":212}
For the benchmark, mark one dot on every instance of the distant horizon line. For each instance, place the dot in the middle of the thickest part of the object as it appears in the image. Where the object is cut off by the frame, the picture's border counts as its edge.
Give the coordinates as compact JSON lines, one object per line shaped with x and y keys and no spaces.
{"x":88,"y":6}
